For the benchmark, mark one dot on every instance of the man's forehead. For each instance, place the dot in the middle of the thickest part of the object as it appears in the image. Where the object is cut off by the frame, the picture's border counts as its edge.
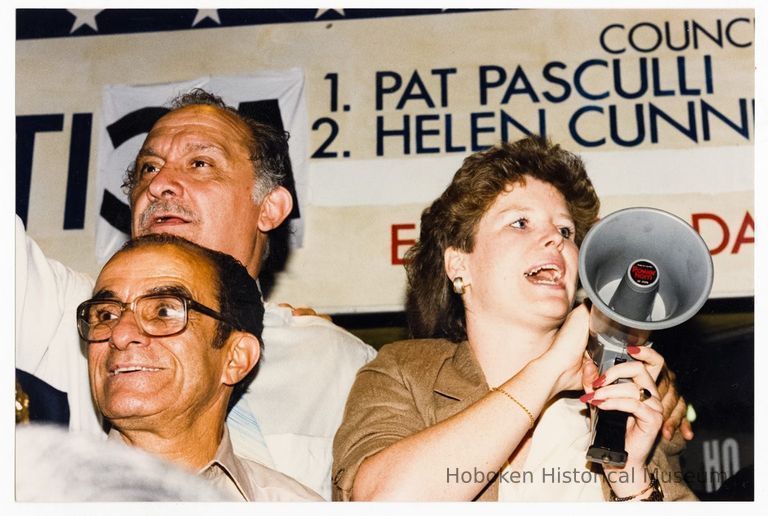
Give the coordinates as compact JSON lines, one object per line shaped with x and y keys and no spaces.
{"x":158,"y":266}
{"x":200,"y":114}
{"x":160,"y":286}
{"x":197,"y":128}
{"x":191,"y":145}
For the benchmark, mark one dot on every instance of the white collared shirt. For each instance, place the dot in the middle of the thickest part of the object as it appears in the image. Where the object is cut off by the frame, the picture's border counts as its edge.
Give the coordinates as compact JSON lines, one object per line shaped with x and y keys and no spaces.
{"x":298,"y":396}
{"x":245,"y":480}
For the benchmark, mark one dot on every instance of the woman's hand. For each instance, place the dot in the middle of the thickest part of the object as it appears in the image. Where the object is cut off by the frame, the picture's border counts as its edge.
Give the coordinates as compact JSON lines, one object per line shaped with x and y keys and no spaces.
{"x":566,"y":353}
{"x":646,"y":416}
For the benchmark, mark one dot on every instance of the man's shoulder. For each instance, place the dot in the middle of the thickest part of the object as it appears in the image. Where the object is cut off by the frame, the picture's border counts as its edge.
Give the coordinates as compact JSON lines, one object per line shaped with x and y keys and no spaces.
{"x":272,"y":485}
{"x":284,"y":329}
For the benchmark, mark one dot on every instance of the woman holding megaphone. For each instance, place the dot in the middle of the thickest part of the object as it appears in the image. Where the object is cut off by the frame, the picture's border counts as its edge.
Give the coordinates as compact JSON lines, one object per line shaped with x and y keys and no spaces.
{"x":490,"y":401}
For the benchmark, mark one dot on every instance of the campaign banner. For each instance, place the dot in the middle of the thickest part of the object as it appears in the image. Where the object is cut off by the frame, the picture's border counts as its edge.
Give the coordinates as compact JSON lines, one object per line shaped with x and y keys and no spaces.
{"x":659,"y":103}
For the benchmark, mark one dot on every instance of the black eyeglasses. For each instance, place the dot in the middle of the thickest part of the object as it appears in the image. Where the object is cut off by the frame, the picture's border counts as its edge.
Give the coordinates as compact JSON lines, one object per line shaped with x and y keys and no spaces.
{"x":157,"y":315}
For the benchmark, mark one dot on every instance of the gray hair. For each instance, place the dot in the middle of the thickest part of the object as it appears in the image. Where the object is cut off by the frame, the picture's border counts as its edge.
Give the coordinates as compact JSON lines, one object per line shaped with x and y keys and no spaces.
{"x":53,"y":465}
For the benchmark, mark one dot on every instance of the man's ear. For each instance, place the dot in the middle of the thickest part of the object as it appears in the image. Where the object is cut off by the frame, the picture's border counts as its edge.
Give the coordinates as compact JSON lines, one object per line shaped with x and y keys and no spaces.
{"x":244,"y":352}
{"x":456,"y":264}
{"x":275,"y":208}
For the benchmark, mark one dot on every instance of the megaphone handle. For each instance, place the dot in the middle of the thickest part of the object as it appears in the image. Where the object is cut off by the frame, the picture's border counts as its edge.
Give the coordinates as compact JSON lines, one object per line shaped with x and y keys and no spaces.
{"x":608,"y":444}
{"x":608,"y":433}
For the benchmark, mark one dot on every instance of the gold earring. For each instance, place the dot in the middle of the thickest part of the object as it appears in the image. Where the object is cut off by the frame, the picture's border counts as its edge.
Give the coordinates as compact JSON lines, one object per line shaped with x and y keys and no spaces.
{"x":458,"y":285}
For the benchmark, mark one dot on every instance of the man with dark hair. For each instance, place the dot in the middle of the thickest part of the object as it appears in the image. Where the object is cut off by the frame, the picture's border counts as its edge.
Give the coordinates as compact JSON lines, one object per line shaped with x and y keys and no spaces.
{"x":216,"y":178}
{"x":239,"y":296}
{"x":163,"y":374}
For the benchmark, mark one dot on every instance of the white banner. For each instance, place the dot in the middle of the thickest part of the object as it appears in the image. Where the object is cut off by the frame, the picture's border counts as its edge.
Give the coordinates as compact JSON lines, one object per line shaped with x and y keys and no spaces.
{"x":659,"y":103}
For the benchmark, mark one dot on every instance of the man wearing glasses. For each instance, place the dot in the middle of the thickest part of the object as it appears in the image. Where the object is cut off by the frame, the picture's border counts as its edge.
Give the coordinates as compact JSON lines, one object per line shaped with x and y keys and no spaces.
{"x":214,"y":177}
{"x":173,"y":330}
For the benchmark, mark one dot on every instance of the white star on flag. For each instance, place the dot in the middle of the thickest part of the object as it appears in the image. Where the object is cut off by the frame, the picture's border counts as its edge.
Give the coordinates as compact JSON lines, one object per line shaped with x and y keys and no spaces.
{"x":321,"y":12}
{"x":202,"y":14}
{"x":84,"y":17}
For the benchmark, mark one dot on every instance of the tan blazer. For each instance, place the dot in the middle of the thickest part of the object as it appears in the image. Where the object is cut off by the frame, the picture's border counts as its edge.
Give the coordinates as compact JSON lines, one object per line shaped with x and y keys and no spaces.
{"x":414,"y":384}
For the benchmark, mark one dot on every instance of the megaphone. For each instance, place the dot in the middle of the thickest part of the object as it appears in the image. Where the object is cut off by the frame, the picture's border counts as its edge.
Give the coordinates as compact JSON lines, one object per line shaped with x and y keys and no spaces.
{"x":643,"y":269}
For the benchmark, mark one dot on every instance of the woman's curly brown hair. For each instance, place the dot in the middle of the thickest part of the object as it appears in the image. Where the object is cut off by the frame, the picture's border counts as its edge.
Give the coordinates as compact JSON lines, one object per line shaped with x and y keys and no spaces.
{"x":433,"y":310}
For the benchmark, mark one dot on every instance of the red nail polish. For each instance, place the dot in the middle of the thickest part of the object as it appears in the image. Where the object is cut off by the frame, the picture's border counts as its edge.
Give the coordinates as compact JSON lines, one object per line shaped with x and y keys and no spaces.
{"x":599,"y":382}
{"x":586,"y":397}
{"x":633,"y":350}
{"x":596,"y":403}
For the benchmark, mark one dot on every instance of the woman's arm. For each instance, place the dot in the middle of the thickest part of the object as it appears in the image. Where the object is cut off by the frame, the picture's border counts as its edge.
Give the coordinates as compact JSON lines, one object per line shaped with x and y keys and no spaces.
{"x":414,"y":466}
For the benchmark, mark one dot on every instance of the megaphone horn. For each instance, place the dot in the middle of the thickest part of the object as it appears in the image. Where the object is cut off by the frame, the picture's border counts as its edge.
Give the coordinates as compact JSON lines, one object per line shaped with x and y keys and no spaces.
{"x":643,"y":269}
